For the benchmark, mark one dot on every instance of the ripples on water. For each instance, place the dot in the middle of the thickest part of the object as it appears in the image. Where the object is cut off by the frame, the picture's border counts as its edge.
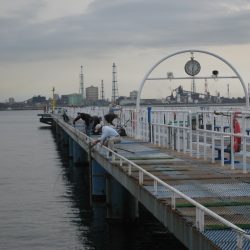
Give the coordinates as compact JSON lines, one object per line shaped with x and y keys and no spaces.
{"x":44,"y":198}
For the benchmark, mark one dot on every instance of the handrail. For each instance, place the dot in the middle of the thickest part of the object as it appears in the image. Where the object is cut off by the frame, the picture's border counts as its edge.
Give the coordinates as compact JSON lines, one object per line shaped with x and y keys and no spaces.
{"x":200,"y":220}
{"x":186,"y":137}
{"x":176,"y":191}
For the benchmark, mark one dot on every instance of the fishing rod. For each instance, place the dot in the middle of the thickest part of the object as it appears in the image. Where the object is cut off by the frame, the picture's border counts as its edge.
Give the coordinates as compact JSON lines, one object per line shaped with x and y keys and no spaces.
{"x":237,"y":113}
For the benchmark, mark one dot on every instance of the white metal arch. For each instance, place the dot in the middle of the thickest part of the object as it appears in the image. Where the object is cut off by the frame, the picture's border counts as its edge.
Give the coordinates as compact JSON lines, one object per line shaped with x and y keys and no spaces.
{"x":177,"y":53}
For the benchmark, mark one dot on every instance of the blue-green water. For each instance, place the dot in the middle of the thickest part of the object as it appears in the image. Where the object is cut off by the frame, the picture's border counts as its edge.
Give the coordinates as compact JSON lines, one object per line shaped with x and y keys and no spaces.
{"x":44,"y":198}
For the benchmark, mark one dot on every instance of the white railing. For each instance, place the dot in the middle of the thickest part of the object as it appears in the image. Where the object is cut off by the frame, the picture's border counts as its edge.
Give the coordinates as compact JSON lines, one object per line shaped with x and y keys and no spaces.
{"x":201,"y":211}
{"x":200,"y":133}
{"x":196,"y":132}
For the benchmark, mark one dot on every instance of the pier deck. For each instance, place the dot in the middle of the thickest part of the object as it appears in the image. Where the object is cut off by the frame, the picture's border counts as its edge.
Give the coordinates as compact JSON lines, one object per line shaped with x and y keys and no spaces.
{"x":223,"y":190}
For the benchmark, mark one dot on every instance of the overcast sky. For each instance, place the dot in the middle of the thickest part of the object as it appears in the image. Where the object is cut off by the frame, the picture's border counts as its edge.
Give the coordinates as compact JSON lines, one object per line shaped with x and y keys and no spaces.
{"x":43,"y":43}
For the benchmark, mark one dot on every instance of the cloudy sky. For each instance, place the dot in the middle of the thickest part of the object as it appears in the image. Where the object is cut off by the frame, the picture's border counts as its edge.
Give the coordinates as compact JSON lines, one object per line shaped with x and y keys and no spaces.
{"x":43,"y":43}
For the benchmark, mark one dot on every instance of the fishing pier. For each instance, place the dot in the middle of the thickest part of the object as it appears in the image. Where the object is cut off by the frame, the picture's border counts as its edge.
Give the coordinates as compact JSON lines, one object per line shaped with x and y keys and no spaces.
{"x":189,"y":167}
{"x":174,"y":174}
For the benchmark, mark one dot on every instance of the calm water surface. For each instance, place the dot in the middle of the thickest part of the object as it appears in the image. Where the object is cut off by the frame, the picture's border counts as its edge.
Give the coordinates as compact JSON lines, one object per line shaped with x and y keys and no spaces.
{"x":44,"y":198}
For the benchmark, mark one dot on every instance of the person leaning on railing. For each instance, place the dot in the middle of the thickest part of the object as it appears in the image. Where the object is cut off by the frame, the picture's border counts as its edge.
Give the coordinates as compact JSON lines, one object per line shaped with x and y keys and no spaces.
{"x":109,"y":136}
{"x":109,"y":118}
{"x":90,"y":122}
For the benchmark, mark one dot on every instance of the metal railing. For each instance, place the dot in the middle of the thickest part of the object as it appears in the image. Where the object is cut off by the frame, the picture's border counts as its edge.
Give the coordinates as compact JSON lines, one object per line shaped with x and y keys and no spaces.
{"x":200,"y":132}
{"x":201,"y":210}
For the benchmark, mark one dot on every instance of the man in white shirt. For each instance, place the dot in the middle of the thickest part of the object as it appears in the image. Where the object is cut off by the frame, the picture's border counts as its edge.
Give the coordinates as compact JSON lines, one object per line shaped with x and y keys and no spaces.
{"x":109,"y":136}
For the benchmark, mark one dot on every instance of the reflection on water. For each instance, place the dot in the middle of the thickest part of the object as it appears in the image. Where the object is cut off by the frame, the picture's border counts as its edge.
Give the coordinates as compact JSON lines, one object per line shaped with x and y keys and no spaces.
{"x":145,"y":233}
{"x":44,"y":197}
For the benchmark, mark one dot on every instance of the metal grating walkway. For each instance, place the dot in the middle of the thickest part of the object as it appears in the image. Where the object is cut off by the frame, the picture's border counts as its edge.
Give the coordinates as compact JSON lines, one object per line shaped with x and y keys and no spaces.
{"x":225,"y":239}
{"x":220,"y":188}
{"x":205,"y":190}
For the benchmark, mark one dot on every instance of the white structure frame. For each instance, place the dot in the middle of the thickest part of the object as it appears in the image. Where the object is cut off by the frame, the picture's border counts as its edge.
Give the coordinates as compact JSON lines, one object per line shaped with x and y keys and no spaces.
{"x":146,"y":77}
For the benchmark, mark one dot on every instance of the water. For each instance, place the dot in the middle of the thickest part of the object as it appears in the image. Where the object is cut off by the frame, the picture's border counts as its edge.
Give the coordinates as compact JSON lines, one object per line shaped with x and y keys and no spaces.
{"x":44,"y":198}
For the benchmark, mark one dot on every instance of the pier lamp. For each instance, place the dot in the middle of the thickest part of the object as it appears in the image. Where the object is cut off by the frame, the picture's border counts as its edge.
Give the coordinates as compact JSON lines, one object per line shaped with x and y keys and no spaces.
{"x":170,"y":75}
{"x":215,"y":73}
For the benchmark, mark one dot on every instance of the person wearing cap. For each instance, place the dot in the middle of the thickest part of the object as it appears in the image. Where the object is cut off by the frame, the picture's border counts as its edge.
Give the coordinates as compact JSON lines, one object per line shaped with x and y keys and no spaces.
{"x":109,"y":136}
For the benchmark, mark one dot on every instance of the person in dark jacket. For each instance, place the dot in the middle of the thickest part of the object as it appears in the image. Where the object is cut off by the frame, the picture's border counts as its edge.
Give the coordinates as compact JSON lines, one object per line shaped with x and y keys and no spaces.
{"x":109,"y":118}
{"x":94,"y":121}
{"x":90,"y":122}
{"x":65,"y":116}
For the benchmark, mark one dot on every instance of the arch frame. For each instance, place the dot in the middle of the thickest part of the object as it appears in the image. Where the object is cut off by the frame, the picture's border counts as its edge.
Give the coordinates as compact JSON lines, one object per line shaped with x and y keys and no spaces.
{"x":178,"y":53}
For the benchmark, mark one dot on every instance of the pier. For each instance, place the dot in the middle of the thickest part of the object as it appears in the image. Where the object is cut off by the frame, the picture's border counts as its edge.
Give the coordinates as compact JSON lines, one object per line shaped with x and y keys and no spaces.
{"x":204,"y":203}
{"x":188,"y":167}
{"x":46,"y":118}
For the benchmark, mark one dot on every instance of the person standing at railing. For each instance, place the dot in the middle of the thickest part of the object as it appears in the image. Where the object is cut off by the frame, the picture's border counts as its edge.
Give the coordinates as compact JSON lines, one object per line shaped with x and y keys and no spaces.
{"x":65,"y":116}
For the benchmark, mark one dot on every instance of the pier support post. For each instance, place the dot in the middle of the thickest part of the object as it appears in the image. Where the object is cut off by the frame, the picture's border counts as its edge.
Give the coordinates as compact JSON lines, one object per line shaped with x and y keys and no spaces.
{"x":57,"y":129}
{"x":65,"y":139}
{"x":70,"y":147}
{"x":149,"y":124}
{"x":121,"y":205}
{"x":62,"y":138}
{"x":98,"y":180}
{"x":90,"y":159}
{"x":79,"y":156}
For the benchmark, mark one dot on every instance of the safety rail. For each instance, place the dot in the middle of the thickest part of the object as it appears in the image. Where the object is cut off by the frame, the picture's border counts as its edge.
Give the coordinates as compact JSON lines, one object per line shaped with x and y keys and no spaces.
{"x":201,"y":210}
{"x":224,"y":135}
{"x":182,"y":130}
{"x":190,"y":131}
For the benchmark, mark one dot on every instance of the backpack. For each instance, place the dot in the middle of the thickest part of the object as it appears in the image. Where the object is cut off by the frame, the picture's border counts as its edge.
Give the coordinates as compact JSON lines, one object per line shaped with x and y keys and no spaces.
{"x":122,"y":132}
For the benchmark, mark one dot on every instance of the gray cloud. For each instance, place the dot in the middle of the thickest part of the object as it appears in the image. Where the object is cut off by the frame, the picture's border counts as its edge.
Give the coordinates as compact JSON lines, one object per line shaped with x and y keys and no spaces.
{"x":120,"y":24}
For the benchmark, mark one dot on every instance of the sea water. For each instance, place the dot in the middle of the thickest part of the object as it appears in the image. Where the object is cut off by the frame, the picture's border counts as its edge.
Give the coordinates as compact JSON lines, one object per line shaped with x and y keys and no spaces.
{"x":44,"y":199}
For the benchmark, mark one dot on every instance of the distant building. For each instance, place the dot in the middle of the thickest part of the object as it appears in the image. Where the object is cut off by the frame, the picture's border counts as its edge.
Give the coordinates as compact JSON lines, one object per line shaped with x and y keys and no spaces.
{"x":11,"y":100}
{"x":56,"y":97}
{"x":64,"y":99}
{"x":127,"y":101}
{"x":74,"y":99}
{"x":133,"y":94}
{"x":38,"y":99}
{"x":91,"y":94}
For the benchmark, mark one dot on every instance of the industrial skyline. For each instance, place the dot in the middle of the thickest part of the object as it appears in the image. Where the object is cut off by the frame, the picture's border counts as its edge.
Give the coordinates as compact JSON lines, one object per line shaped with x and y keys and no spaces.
{"x":43,"y":44}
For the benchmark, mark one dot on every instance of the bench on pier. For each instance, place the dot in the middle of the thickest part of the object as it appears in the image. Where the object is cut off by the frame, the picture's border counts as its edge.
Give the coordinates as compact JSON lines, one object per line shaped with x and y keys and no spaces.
{"x":226,"y":150}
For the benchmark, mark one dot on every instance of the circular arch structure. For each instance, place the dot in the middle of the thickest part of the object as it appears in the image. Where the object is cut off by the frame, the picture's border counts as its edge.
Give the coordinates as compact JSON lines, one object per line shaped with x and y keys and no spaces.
{"x":181,"y":52}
